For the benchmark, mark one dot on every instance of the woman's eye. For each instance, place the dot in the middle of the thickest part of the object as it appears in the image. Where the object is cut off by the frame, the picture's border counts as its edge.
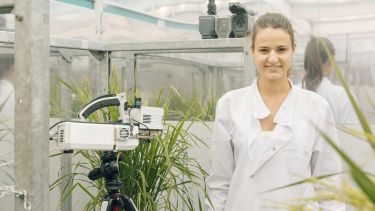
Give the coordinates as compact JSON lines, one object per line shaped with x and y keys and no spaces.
{"x":282,"y":49}
{"x":263,"y":50}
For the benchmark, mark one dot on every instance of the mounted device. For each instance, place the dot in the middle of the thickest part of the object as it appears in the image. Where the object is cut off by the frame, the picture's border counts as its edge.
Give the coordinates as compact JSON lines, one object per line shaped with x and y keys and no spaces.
{"x":235,"y":26}
{"x":135,"y":123}
{"x":242,"y":19}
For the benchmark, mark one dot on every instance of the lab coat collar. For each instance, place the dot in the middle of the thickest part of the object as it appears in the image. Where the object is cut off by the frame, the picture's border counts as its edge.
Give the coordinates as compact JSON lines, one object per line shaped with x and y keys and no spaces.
{"x":325,"y":81}
{"x":261,"y":111}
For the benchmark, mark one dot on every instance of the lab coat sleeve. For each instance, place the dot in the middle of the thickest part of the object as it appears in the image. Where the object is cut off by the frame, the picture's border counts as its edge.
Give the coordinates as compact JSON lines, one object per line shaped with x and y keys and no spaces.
{"x":222,"y":160}
{"x":325,"y":160}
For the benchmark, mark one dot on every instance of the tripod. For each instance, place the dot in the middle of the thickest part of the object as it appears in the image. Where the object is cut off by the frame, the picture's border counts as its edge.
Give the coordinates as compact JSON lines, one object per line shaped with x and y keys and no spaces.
{"x":113,"y":200}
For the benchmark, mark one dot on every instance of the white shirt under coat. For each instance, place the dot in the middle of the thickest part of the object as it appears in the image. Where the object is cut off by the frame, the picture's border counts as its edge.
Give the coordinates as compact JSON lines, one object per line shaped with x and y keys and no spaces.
{"x":296,"y":150}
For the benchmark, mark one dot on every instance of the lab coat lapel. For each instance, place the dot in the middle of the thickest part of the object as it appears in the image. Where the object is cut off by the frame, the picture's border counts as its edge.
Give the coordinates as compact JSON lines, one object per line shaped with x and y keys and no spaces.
{"x":283,"y":130}
{"x":255,"y":130}
{"x":259,"y":111}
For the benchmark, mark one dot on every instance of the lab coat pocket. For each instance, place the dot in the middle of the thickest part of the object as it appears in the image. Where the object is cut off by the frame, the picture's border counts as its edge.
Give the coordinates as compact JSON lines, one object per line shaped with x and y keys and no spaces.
{"x":297,"y":160}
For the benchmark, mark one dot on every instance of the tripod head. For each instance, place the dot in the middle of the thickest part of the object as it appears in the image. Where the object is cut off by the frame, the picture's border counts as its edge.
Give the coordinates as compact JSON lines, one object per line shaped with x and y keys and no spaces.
{"x":109,"y":170}
{"x":114,"y":200}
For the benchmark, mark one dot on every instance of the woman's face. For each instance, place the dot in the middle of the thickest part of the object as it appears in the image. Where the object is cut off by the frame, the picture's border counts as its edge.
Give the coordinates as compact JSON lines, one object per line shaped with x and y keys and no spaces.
{"x":272,"y":52}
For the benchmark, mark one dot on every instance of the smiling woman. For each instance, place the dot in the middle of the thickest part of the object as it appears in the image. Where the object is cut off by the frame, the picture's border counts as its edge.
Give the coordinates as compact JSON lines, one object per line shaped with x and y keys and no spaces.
{"x":273,"y":50}
{"x":265,"y":135}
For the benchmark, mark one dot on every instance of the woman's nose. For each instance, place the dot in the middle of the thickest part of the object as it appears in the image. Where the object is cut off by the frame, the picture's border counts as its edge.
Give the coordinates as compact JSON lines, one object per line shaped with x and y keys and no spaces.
{"x":273,"y":57}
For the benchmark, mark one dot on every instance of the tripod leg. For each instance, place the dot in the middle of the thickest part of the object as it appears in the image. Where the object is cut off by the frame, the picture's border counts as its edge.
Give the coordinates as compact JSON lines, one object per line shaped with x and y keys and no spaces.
{"x":104,"y":205}
{"x":114,"y":205}
{"x":129,"y":204}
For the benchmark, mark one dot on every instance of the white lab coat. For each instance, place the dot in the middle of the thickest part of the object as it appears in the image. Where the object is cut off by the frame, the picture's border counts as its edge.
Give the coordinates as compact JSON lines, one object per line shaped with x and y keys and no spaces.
{"x":337,"y":98}
{"x":236,"y":181}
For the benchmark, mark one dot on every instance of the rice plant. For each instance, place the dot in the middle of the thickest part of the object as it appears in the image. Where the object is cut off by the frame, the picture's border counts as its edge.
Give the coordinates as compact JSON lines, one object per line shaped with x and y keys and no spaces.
{"x":204,"y":108}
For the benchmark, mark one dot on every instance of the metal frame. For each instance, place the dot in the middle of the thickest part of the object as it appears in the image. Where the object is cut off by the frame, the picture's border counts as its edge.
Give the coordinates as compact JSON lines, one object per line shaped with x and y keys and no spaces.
{"x":66,"y":158}
{"x":208,"y":45}
{"x":9,"y":37}
{"x":31,"y":109}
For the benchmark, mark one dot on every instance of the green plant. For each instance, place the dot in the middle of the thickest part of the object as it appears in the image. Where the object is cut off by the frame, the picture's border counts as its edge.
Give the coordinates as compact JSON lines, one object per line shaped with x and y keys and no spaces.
{"x":198,"y":106}
{"x":158,"y":174}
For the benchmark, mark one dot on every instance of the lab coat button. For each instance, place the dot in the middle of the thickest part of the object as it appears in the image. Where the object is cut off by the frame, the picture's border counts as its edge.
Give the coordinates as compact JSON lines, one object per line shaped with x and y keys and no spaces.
{"x":273,"y":148}
{"x":252,"y":176}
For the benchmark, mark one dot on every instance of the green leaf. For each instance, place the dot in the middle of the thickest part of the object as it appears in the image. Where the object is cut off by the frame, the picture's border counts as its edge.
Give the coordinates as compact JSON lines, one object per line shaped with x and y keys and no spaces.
{"x":363,"y":181}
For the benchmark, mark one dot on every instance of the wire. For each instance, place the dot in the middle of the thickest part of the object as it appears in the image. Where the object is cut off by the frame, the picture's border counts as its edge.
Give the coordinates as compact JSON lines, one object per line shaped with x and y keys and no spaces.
{"x":57,"y":124}
{"x":121,"y":123}
{"x":149,"y":131}
{"x":51,"y":138}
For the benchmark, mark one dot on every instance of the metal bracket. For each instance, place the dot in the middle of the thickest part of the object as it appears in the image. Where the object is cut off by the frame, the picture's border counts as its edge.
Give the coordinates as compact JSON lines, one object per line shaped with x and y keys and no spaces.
{"x":66,"y":54}
{"x":99,"y":55}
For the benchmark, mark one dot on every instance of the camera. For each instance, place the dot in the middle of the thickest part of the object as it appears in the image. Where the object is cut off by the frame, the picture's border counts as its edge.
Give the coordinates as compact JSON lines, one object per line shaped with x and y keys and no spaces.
{"x":235,"y":26}
{"x":223,"y":26}
{"x":242,"y":19}
{"x":207,"y":26}
{"x":207,"y":22}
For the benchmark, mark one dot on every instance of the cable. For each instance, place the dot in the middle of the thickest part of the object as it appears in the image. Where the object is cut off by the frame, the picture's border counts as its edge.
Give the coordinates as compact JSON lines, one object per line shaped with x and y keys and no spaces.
{"x":147,"y":128}
{"x":51,"y":137}
{"x":57,"y":124}
{"x":119,"y":122}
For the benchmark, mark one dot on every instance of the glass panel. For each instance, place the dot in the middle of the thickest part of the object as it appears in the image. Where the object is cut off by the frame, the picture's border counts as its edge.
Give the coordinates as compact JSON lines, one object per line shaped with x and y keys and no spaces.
{"x":6,"y":22}
{"x":74,"y":80}
{"x":194,"y":80}
{"x":362,"y":66}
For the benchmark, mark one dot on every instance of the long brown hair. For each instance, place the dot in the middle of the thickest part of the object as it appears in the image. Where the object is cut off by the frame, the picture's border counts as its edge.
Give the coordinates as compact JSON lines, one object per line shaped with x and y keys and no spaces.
{"x":315,"y":56}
